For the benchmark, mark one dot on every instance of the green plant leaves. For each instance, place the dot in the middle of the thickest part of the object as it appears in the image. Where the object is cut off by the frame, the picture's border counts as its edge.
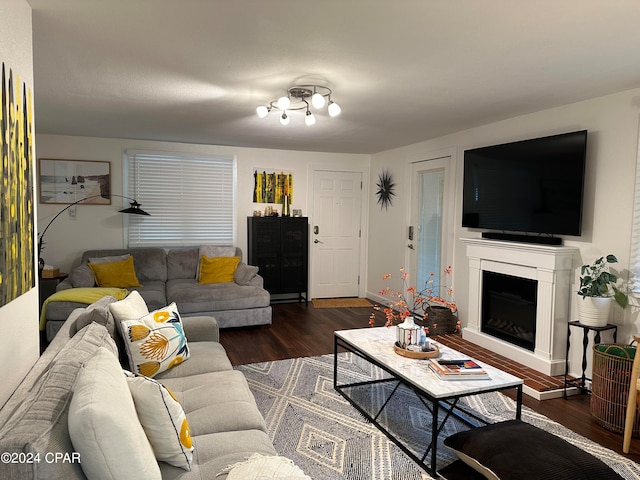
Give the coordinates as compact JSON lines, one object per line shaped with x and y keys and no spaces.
{"x":597,"y":281}
{"x":621,"y":298}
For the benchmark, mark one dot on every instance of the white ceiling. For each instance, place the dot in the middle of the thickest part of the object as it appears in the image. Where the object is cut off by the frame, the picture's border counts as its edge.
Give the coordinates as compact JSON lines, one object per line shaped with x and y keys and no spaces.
{"x":403,"y":71}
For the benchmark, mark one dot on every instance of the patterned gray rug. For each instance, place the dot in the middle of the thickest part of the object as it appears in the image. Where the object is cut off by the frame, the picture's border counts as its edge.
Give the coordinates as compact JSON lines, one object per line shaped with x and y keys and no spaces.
{"x":322,"y":433}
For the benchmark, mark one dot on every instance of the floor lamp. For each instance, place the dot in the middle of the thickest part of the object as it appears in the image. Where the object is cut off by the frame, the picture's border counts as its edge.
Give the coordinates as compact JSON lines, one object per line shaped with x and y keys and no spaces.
{"x":134,"y":208}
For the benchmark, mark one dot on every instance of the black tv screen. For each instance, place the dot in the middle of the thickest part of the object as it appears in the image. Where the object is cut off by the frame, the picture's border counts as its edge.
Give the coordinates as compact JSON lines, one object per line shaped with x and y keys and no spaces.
{"x":530,"y":186}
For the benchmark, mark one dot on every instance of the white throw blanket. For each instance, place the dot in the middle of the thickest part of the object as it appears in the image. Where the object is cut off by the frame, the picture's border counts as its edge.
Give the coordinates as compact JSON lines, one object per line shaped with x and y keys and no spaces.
{"x":259,"y":467}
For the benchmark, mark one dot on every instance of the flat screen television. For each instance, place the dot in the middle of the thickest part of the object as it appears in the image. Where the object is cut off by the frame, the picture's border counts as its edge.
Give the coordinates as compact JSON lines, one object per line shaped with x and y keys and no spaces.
{"x":528,"y":187}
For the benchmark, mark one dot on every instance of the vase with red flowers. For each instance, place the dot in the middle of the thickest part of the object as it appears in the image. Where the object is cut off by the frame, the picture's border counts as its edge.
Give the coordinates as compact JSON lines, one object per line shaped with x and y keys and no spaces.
{"x":432,"y":307}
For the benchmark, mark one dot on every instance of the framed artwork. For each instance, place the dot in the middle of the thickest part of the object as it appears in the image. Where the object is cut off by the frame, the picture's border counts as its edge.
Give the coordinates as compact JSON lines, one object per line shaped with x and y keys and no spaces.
{"x":271,"y":187}
{"x":17,"y":272}
{"x":67,"y":181}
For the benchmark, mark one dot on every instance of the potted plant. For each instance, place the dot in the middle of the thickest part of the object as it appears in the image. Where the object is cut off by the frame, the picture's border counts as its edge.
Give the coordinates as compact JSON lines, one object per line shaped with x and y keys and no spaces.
{"x":598,"y":290}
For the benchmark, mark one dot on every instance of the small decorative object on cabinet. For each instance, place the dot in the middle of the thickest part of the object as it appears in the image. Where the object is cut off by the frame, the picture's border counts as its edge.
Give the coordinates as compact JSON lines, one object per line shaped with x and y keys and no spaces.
{"x":279,"y":247}
{"x":286,"y":208}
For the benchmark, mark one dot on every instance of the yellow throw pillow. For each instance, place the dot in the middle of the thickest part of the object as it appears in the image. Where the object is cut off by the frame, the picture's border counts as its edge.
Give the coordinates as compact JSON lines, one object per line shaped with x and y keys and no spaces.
{"x":115,"y":274}
{"x":217,"y":269}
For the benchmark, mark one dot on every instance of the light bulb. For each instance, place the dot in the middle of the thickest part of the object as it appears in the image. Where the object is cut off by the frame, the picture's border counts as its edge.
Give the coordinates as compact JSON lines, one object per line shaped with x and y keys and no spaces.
{"x":317,"y":100}
{"x":283,"y":103}
{"x":334,"y":109}
{"x":309,"y":119}
{"x":262,"y":111}
{"x":284,"y":119}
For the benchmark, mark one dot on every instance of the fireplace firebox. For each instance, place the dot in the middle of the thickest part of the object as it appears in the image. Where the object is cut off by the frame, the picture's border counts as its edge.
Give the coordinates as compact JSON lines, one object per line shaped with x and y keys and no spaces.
{"x":509,"y":308}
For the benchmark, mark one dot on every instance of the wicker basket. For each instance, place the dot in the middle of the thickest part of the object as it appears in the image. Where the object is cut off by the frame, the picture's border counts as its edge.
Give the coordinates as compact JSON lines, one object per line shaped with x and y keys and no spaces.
{"x":443,"y":318}
{"x":610,"y":386}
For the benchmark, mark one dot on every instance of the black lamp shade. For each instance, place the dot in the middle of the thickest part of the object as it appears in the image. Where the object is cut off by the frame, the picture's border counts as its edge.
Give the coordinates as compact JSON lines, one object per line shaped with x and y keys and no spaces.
{"x":134,"y":209}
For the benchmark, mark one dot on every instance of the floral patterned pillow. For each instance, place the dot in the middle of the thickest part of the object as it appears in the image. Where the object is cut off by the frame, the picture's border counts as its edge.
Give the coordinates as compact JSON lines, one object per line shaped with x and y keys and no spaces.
{"x":163,"y":420}
{"x":155,"y":342}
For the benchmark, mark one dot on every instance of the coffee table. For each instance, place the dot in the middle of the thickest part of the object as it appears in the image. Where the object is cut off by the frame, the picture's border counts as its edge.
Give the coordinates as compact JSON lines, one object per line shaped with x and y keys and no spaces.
{"x":398,"y":373}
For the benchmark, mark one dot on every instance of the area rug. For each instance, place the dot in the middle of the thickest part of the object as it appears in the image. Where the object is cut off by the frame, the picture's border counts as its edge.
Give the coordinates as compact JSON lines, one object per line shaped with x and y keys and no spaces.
{"x":322,"y":433}
{"x":341,"y":302}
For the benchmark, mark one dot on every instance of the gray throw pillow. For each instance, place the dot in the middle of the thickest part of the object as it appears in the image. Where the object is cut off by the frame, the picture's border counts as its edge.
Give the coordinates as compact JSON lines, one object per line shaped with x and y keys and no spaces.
{"x":244,"y":274}
{"x":82,"y":276}
{"x":97,"y":312}
{"x":109,"y":259}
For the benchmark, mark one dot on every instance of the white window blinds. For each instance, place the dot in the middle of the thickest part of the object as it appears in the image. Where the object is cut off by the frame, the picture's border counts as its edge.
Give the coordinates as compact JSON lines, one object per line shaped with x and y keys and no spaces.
{"x":190,"y":199}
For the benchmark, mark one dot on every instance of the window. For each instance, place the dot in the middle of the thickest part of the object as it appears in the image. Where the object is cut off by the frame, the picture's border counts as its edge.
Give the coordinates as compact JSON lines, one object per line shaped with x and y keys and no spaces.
{"x":190,"y":199}
{"x":634,"y":267}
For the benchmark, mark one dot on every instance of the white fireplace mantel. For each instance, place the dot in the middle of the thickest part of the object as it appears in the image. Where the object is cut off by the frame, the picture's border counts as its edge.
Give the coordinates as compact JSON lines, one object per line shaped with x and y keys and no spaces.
{"x":551,"y":267}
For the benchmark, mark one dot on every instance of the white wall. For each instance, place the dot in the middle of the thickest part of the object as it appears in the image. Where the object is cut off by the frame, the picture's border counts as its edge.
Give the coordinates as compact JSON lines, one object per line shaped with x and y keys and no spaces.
{"x":101,"y":226}
{"x":612,"y":122}
{"x":19,"y":343}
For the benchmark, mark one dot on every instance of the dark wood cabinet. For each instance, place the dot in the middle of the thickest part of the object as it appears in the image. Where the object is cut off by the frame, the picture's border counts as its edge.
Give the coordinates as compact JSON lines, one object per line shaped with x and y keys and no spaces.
{"x":279,"y":246}
{"x":47,"y":286}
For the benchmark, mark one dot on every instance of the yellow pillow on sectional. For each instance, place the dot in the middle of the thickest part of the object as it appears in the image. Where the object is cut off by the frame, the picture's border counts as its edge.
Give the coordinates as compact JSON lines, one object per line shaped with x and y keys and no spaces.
{"x":217,"y":269}
{"x":115,"y":274}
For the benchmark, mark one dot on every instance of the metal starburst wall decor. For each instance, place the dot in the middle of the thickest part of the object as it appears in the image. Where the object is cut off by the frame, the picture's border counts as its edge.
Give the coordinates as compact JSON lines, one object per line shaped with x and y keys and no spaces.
{"x":385,"y":191}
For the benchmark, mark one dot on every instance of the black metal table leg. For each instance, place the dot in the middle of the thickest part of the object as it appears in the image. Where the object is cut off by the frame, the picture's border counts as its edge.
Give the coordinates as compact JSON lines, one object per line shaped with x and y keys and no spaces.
{"x":566,"y":361}
{"x":434,"y":435}
{"x":581,"y":382}
{"x":585,"y":343}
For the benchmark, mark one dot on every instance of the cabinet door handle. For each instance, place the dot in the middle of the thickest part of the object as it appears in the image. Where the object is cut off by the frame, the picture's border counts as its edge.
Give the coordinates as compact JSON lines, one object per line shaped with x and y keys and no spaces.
{"x":317,"y":241}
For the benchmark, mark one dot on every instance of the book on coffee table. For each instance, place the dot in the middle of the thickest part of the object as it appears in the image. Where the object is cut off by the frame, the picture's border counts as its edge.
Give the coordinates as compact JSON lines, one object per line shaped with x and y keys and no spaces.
{"x":457,"y":369}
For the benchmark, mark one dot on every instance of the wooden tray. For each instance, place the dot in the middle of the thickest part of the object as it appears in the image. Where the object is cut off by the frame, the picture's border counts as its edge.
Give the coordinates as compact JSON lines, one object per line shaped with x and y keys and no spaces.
{"x":418,"y":355}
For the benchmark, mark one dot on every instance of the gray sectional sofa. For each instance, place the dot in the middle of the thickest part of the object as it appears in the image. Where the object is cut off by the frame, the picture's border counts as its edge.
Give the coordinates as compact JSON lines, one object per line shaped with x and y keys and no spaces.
{"x":169,"y":275}
{"x":226,"y":426}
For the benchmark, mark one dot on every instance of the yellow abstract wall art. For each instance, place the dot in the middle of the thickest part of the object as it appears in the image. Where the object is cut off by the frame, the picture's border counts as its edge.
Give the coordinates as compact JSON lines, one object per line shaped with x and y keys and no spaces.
{"x":17,"y":274}
{"x":271,"y":187}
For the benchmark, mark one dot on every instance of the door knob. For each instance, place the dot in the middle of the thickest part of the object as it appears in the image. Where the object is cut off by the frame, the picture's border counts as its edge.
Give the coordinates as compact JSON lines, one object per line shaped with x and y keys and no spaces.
{"x":317,"y":241}
{"x":410,"y":246}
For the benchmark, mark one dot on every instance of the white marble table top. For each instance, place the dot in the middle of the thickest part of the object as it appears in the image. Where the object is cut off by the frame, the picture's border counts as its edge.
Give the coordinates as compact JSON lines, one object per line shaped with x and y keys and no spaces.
{"x":377,"y":343}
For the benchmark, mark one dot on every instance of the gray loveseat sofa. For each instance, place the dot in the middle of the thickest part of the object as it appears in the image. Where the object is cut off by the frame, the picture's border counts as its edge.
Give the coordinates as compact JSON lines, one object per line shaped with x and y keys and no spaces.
{"x":226,"y":426}
{"x":169,"y":275}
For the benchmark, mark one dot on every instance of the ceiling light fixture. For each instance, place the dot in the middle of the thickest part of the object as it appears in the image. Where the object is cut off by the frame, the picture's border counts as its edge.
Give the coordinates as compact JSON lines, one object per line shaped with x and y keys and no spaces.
{"x":334,"y":109}
{"x":309,"y":118}
{"x":301,"y":97}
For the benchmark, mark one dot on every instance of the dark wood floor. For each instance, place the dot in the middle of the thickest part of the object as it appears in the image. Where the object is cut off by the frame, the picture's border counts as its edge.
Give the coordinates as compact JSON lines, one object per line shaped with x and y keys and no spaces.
{"x":299,"y":330}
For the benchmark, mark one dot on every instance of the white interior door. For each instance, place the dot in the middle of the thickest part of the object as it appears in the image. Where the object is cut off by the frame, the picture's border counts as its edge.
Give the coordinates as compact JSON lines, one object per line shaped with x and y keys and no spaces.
{"x":429,"y":249}
{"x":335,"y":234}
